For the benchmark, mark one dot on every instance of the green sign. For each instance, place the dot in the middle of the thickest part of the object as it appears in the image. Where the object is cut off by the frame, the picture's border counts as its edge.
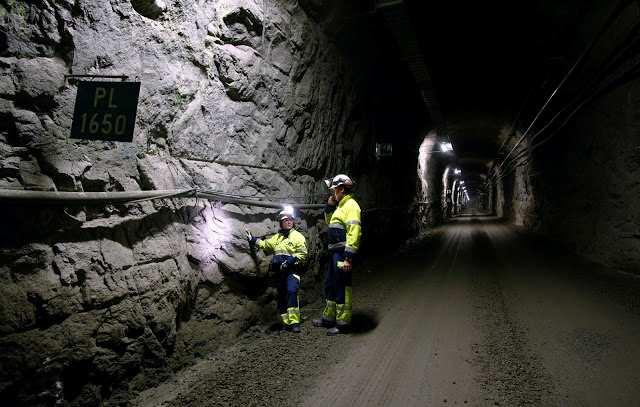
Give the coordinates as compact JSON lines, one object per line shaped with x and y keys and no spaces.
{"x":105,"y":111}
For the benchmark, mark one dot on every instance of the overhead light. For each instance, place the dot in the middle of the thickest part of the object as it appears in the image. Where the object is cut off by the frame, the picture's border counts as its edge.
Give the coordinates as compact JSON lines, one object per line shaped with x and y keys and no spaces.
{"x":457,"y":171}
{"x":446,"y":147}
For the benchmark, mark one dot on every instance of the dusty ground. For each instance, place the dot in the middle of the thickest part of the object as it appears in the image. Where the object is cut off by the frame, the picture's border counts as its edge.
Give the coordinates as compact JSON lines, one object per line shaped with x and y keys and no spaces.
{"x":475,"y":315}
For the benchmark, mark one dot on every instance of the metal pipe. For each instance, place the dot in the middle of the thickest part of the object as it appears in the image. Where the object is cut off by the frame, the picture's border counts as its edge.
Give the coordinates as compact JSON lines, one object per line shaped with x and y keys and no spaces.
{"x":123,"y":77}
{"x":84,"y":198}
{"x":71,"y":198}
{"x":56,"y":197}
{"x":264,"y":204}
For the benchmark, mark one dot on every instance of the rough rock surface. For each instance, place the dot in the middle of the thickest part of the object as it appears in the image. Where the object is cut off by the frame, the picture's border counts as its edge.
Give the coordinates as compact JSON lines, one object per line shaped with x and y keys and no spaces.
{"x":240,"y":96}
{"x":591,"y":204}
{"x":581,"y":187}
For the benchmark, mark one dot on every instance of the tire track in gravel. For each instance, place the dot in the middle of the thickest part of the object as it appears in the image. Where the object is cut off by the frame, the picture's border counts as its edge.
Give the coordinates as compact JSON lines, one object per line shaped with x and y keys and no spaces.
{"x":416,"y":356}
{"x":511,"y":373}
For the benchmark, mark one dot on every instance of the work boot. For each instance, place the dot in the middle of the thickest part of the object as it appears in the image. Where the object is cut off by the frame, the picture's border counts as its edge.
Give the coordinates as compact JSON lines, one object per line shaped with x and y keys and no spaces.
{"x":323,"y":323}
{"x":295,"y":328}
{"x":337,"y":330}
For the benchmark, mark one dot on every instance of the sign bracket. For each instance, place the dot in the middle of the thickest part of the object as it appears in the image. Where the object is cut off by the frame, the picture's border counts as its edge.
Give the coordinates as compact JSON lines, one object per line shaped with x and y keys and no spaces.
{"x":89,"y":76}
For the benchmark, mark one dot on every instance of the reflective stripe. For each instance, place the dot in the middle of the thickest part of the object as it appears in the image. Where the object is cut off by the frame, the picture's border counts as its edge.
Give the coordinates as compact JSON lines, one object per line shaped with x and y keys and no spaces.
{"x":283,"y":253}
{"x":351,"y":249}
{"x":294,"y":315}
{"x":336,"y":226}
{"x":353,"y":222}
{"x":296,"y":276}
{"x":337,"y":245}
{"x":329,"y":312}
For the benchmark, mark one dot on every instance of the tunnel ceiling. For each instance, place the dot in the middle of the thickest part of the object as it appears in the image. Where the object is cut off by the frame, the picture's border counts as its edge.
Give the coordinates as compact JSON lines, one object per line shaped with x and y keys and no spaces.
{"x":486,"y":58}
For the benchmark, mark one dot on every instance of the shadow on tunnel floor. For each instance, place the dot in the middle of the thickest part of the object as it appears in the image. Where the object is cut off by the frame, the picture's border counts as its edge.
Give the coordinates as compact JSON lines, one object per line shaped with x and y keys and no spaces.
{"x":363,"y":322}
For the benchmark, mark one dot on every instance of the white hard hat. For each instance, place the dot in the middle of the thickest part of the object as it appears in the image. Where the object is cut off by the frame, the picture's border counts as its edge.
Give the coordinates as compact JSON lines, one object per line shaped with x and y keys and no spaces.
{"x":286,"y":213}
{"x":339,"y":180}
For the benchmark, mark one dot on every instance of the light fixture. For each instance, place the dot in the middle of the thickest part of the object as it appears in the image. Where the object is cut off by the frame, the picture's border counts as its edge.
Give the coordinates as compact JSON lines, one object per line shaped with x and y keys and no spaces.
{"x":457,"y":171}
{"x":446,"y":147}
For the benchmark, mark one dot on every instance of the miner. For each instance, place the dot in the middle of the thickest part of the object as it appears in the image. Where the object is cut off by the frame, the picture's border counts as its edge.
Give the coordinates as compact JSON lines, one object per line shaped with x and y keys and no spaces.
{"x":342,"y":214}
{"x":289,"y":249}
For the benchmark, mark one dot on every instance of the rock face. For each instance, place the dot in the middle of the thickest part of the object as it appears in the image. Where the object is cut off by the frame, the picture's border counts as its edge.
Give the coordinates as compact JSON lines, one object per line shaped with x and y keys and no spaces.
{"x":581,"y":186}
{"x":239,"y":96}
{"x":596,"y":189}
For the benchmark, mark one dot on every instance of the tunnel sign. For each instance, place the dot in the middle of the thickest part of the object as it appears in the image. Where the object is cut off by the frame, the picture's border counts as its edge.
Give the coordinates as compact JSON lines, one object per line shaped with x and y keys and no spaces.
{"x":105,"y":111}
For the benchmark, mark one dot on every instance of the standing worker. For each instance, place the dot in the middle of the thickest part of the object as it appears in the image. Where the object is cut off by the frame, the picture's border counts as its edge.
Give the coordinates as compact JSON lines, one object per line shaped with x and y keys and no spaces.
{"x":342,"y":214}
{"x":289,"y":248}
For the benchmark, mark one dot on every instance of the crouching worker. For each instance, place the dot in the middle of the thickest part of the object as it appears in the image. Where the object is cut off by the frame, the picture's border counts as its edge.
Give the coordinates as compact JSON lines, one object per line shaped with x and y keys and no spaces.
{"x":289,"y":248}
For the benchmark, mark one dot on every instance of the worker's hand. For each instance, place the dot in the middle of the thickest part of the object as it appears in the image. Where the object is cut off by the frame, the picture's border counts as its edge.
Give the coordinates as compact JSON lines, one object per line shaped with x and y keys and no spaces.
{"x":347,"y":265}
{"x":248,"y":235}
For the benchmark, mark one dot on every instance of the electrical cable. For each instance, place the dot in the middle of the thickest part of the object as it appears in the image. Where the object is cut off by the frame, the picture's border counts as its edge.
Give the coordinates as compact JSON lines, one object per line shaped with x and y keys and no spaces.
{"x":86,"y":198}
{"x":611,"y":83}
{"x":599,"y":78}
{"x":614,"y":60}
{"x":53,"y":197}
{"x":612,"y":17}
{"x":630,"y":75}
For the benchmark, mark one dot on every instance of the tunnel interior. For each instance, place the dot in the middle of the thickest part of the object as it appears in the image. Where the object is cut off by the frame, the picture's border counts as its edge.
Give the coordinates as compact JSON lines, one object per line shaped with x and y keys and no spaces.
{"x":438,"y":110}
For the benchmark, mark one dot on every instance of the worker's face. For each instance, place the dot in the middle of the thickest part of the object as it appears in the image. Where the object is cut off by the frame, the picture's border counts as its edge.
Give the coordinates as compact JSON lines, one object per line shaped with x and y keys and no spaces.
{"x":286,"y":223}
{"x":338,"y":192}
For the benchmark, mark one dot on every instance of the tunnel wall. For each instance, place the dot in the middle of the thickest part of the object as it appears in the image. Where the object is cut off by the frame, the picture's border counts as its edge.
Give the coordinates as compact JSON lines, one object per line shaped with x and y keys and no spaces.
{"x":591,"y":202}
{"x":592,"y":167}
{"x":428,"y":205}
{"x":98,"y":302}
{"x":517,"y":193}
{"x":582,"y":184}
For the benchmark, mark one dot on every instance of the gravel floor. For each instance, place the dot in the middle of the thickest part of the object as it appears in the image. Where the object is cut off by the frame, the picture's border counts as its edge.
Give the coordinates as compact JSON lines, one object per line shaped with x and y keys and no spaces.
{"x":478,"y":314}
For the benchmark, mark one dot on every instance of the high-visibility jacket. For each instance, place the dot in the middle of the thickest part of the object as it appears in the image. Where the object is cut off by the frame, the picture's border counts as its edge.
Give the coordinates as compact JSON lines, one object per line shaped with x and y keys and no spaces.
{"x":345,"y":229}
{"x":288,"y":243}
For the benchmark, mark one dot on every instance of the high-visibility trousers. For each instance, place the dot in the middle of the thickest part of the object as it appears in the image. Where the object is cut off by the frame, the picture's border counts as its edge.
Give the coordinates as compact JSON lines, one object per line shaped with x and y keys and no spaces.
{"x":288,"y":286}
{"x":337,"y":292}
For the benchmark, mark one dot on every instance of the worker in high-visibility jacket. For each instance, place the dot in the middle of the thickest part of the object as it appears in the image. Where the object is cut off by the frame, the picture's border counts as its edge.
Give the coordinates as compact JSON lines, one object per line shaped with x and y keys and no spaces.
{"x":289,"y":248}
{"x":342,"y":214}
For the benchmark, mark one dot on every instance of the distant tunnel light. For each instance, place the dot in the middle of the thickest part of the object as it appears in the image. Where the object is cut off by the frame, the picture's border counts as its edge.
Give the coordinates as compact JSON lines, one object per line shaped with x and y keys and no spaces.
{"x":446,"y":147}
{"x":457,"y":171}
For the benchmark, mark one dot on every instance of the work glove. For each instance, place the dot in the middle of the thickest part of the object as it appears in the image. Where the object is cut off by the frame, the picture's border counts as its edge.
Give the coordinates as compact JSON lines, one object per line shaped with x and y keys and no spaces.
{"x":251,"y":239}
